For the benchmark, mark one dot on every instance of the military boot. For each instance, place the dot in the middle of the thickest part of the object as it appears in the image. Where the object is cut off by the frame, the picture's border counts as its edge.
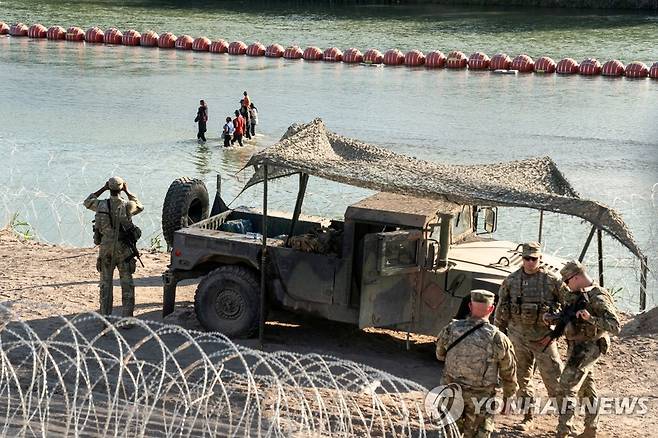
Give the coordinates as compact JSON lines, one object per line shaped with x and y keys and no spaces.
{"x":589,"y":432}
{"x":527,"y":423}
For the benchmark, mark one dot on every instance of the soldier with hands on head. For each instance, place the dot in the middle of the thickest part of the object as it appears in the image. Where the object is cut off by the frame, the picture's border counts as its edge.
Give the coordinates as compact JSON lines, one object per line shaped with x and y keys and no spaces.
{"x":476,"y":356}
{"x":525,"y":297}
{"x":113,"y":221}
{"x":587,"y":338}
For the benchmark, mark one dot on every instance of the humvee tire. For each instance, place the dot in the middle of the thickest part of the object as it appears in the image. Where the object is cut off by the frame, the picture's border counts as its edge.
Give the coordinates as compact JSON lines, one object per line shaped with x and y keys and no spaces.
{"x":186,"y":202}
{"x":227,"y":300}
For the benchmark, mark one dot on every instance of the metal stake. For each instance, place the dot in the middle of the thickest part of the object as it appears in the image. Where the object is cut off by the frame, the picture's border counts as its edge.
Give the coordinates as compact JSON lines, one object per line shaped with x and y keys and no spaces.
{"x":541,"y":223}
{"x":599,"y":241}
{"x":587,"y":242}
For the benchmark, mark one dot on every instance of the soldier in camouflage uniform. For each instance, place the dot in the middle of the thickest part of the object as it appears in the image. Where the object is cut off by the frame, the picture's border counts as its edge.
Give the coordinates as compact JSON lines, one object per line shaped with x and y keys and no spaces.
{"x":588,"y":339}
{"x":525,"y":296}
{"x":476,"y":362}
{"x":110,"y":214}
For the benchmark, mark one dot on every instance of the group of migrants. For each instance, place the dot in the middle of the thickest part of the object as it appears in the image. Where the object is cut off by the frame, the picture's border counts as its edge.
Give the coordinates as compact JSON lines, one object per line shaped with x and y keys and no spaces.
{"x":478,"y":355}
{"x":234,"y":130}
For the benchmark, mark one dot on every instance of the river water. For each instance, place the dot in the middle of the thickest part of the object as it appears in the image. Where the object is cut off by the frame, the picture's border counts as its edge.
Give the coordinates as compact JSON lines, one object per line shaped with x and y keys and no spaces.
{"x":71,"y":114}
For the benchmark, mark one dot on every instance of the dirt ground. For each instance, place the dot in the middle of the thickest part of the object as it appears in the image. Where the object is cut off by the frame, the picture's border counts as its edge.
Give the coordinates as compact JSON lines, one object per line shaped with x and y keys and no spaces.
{"x":40,"y":281}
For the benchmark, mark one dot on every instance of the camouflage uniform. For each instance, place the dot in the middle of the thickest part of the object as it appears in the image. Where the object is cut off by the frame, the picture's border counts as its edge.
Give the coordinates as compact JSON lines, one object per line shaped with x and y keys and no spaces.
{"x":522,"y":301}
{"x":587,"y":341}
{"x":114,"y":253}
{"x":475,"y":364}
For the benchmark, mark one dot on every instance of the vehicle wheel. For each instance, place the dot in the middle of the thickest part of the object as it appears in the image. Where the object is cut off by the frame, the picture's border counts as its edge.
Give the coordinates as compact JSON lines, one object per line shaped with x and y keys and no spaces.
{"x":186,"y":202}
{"x":227,"y":300}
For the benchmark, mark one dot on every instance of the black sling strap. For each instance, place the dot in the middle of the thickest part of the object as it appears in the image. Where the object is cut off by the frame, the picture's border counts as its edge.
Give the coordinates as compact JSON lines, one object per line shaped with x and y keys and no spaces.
{"x":461,"y":338}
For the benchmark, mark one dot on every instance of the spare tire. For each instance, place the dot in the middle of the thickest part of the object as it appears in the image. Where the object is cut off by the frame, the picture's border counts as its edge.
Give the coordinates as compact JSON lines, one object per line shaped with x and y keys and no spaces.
{"x":186,"y":202}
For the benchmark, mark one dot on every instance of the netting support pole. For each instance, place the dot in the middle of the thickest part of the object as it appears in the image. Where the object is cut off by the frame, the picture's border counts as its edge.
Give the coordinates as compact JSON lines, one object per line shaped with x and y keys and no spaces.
{"x":263,"y":264}
{"x":644,"y":270}
{"x":587,"y":242}
{"x":541,"y":224}
{"x":599,"y":244}
{"x":303,"y":180}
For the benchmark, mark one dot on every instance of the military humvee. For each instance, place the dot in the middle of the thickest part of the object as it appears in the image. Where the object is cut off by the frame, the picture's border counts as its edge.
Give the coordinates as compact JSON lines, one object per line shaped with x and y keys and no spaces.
{"x":394,"y":261}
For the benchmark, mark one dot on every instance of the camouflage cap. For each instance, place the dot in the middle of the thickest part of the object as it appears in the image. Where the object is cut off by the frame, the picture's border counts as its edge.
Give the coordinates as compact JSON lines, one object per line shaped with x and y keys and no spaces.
{"x":531,"y":249}
{"x":571,"y":268}
{"x":115,"y":183}
{"x":482,"y":296}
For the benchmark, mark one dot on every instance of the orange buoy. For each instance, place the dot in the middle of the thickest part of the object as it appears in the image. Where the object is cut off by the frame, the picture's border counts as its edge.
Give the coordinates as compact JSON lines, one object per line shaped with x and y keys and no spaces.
{"x":613,"y":67}
{"x":149,"y":39}
{"x":332,"y":54}
{"x":393,"y":57}
{"x":184,"y":42}
{"x":18,"y":29}
{"x":312,"y":53}
{"x":435,"y":59}
{"x":500,"y":61}
{"x":293,"y":52}
{"x":545,"y":64}
{"x":274,"y":51}
{"x":256,"y":49}
{"x":590,"y":67}
{"x":56,"y":33}
{"x":94,"y":35}
{"x":237,"y":48}
{"x":567,"y":66}
{"x":113,"y":36}
{"x":636,"y":69}
{"x":456,"y":59}
{"x":414,"y":58}
{"x":4,"y":28}
{"x":373,"y":56}
{"x":167,"y":40}
{"x":201,"y":44}
{"x":74,"y":33}
{"x":653,"y":71}
{"x":352,"y":56}
{"x":219,"y":46}
{"x":523,"y":63}
{"x":478,"y":61}
{"x":37,"y":31}
{"x":131,"y":38}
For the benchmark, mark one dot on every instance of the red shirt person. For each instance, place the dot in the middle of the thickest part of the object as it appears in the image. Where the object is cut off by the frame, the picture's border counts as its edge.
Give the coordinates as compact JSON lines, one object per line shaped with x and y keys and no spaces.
{"x":239,"y":125}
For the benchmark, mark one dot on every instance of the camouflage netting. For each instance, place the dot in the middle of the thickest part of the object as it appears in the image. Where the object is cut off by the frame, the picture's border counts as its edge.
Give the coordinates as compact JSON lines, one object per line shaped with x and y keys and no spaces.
{"x":534,"y":183}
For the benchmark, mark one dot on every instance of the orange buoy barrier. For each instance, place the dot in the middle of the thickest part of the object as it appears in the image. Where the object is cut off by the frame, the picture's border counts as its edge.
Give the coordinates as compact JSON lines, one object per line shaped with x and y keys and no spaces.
{"x":201,"y":44}
{"x":131,"y":38}
{"x":414,"y":58}
{"x":274,"y":51}
{"x":312,"y":53}
{"x":352,"y":56}
{"x":435,"y":59}
{"x":18,"y":29}
{"x":74,"y":33}
{"x":614,"y":67}
{"x":167,"y":40}
{"x":184,"y":42}
{"x":113,"y":36}
{"x":653,"y":71}
{"x":332,"y":54}
{"x":456,"y":59}
{"x":256,"y":49}
{"x":478,"y":61}
{"x":590,"y":67}
{"x":219,"y":46}
{"x":56,"y":33}
{"x":94,"y":35}
{"x":545,"y":64}
{"x":523,"y":63}
{"x":37,"y":31}
{"x":373,"y":56}
{"x":237,"y":48}
{"x":500,"y":61}
{"x":636,"y":69}
{"x":393,"y":57}
{"x":567,"y":66}
{"x":4,"y":28}
{"x":149,"y":39}
{"x":293,"y":52}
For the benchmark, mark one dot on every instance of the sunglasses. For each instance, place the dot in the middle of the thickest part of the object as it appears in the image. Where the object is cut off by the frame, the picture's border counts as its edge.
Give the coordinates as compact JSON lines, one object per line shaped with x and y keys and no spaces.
{"x":530,"y":259}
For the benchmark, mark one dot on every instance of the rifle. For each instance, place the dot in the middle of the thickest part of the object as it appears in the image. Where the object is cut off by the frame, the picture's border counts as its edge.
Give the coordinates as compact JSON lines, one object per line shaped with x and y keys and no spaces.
{"x":566,"y":316}
{"x":130,"y":234}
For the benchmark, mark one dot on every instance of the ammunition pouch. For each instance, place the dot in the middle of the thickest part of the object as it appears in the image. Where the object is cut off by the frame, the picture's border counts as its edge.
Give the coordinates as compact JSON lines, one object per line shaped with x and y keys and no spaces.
{"x":529,"y":313}
{"x":98,"y":236}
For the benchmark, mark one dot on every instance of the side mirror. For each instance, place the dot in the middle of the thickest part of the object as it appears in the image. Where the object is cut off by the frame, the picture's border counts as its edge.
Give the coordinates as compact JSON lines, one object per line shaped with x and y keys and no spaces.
{"x":490,"y":219}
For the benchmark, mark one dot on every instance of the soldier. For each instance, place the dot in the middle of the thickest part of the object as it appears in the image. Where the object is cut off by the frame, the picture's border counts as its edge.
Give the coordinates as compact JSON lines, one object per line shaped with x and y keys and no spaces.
{"x":525,"y":296}
{"x":476,"y":353}
{"x":111,"y":214}
{"x":587,"y":339}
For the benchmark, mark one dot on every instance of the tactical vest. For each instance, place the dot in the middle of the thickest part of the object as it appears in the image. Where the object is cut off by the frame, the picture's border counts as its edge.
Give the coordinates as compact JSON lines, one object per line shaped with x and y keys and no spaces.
{"x":472,"y":362}
{"x":530,"y":297}
{"x":106,"y":221}
{"x":580,"y":330}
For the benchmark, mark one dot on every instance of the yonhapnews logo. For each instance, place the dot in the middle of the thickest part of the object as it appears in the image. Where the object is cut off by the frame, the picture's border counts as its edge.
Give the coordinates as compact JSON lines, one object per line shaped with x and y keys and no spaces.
{"x":445,"y":403}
